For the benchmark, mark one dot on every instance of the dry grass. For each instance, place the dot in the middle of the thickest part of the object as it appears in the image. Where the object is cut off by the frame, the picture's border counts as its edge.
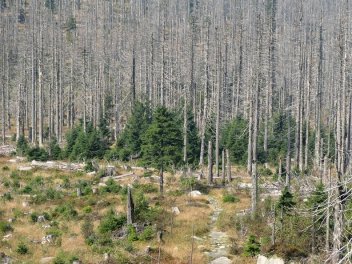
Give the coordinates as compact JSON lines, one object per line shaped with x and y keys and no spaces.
{"x":177,"y":247}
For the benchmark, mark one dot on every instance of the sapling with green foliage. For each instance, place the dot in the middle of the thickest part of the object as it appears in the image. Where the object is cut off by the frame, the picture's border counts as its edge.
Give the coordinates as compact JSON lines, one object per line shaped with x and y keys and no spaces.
{"x":251,"y":247}
{"x":162,"y":143}
{"x":286,"y":201}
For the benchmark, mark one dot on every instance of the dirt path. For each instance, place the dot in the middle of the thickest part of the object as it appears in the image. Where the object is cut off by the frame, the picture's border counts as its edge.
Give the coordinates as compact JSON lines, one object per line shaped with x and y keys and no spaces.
{"x":219,"y":241}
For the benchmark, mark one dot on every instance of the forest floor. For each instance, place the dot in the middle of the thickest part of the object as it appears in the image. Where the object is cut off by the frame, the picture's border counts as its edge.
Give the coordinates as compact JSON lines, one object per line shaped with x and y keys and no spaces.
{"x":202,"y":231}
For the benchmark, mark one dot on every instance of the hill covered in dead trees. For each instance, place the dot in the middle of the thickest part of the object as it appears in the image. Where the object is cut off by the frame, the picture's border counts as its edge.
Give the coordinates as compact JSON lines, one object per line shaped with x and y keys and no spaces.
{"x":203,"y":92}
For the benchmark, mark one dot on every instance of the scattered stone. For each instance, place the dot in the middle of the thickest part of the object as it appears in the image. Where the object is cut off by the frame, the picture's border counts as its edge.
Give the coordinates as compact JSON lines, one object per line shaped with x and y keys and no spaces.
{"x":221,"y":260}
{"x":175,"y":210}
{"x":7,"y":150}
{"x":25,"y":204}
{"x":243,"y":185}
{"x":243,"y":212}
{"x":101,"y":184}
{"x":76,"y":262}
{"x":6,"y":237}
{"x":48,"y":239}
{"x":94,"y":190}
{"x":197,"y":238}
{"x":46,"y":260}
{"x":273,"y":260}
{"x":58,"y":165}
{"x":147,"y":250}
{"x":24,"y":168}
{"x":41,"y":219}
{"x":4,"y":259}
{"x":195,"y":193}
{"x":92,"y":173}
{"x":155,"y":178}
{"x":106,"y":256}
{"x":46,"y":226}
{"x":11,"y":220}
{"x":201,"y":248}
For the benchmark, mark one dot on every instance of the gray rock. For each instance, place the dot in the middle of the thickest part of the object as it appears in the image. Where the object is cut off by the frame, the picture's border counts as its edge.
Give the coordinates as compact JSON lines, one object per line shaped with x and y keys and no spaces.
{"x":41,"y":219}
{"x":48,"y":239}
{"x":4,"y":259}
{"x":221,"y":260}
{"x":175,"y":210}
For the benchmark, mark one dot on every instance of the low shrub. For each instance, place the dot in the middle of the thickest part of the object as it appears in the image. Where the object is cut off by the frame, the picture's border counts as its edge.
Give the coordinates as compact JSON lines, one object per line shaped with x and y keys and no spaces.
{"x":22,"y":249}
{"x":230,"y":198}
{"x":111,"y":222}
{"x":5,"y":227}
{"x":147,"y":234}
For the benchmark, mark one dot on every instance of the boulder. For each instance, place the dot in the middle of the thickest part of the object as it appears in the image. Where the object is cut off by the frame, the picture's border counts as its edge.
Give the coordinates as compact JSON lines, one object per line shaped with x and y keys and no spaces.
{"x":273,"y":260}
{"x":195,"y":193}
{"x":221,"y":260}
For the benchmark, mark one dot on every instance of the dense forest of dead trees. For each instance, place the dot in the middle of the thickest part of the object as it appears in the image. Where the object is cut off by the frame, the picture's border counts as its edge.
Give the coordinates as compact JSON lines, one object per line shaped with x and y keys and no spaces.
{"x":68,"y":60}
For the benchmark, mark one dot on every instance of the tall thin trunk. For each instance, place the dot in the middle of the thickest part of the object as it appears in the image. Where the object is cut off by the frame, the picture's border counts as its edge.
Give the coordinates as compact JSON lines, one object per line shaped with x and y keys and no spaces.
{"x":210,"y":163}
{"x":228,"y":165}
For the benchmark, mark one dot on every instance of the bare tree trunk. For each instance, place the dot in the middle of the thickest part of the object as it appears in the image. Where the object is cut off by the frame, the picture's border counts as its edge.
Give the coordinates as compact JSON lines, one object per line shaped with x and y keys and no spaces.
{"x":185,"y":140}
{"x":228,"y":165}
{"x":210,"y":163}
{"x":223,"y":172}
{"x":288,"y":157}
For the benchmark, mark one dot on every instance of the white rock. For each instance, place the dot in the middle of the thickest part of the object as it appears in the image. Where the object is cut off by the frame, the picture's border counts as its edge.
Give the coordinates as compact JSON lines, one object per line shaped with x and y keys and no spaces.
{"x":25,"y":204}
{"x":273,"y":260}
{"x":243,"y":185}
{"x":41,"y":219}
{"x":24,"y":168}
{"x":92,"y":173}
{"x":175,"y":210}
{"x":195,"y":193}
{"x":6,"y":237}
{"x":46,"y":260}
{"x":221,"y":260}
